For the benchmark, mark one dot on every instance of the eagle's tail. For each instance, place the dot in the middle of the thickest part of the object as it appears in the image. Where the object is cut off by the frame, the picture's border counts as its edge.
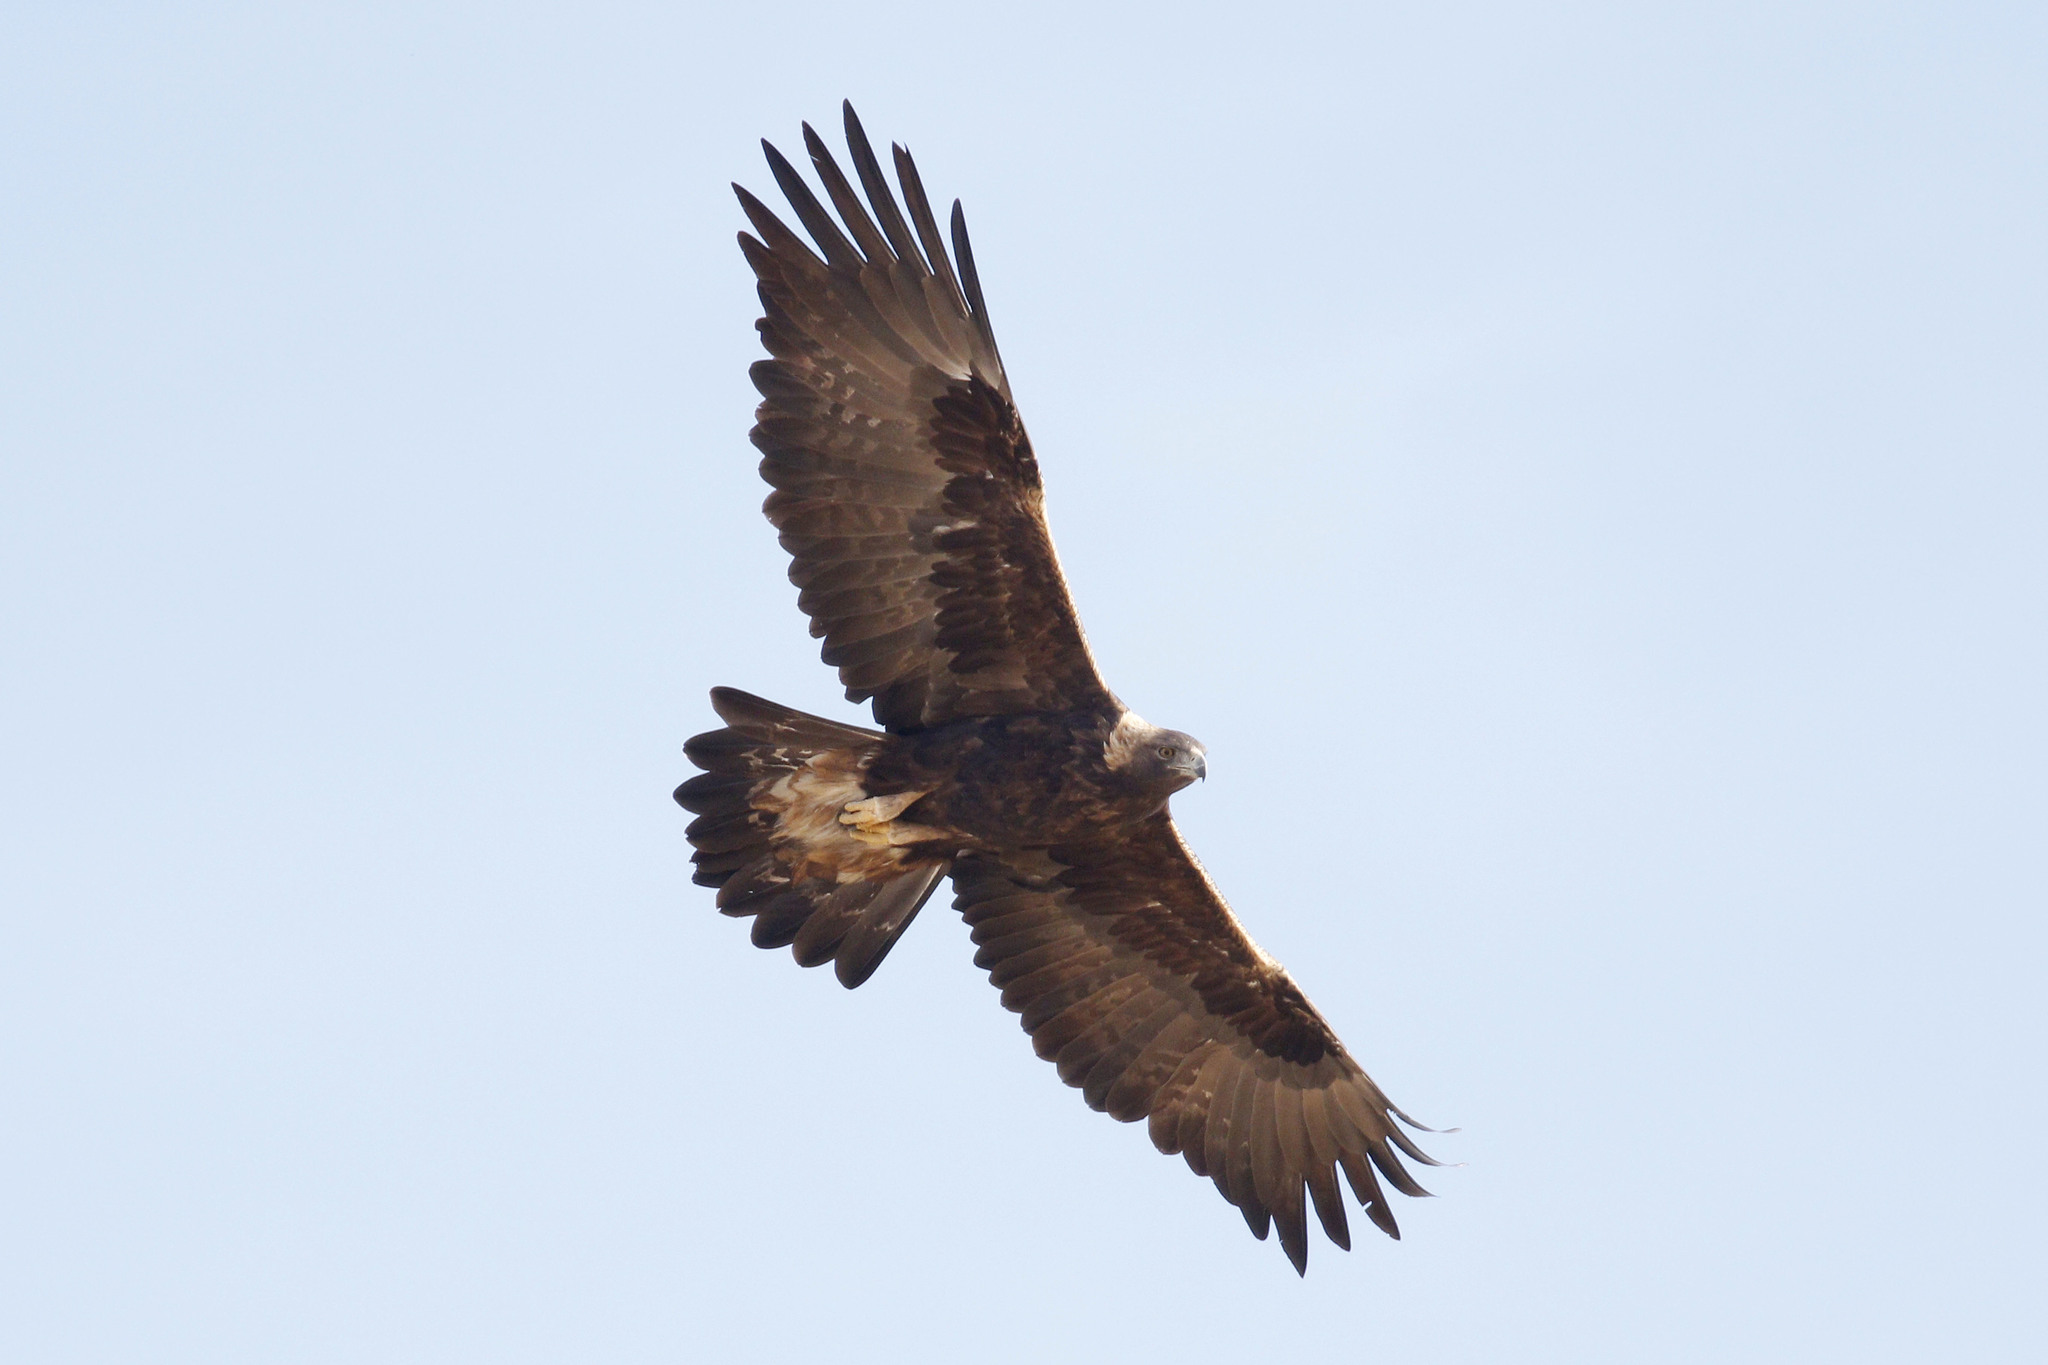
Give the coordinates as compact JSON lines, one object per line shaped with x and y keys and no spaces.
{"x":773,"y":834}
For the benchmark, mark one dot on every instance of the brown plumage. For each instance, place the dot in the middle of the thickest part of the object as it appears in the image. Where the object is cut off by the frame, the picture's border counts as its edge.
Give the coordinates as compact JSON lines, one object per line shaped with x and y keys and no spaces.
{"x":908,"y":497}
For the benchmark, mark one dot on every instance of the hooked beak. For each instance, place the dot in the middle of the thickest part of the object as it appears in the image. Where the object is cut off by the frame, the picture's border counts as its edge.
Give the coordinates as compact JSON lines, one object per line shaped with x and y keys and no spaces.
{"x":1196,"y":766}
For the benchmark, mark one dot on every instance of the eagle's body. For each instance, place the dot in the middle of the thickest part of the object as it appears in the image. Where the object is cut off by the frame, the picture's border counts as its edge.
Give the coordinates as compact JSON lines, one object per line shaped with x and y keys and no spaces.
{"x":908,"y":496}
{"x":1029,"y":781}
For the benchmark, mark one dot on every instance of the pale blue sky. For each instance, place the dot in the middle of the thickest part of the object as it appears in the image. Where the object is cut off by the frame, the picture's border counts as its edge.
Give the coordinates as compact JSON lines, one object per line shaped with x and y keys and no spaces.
{"x":1580,"y":468}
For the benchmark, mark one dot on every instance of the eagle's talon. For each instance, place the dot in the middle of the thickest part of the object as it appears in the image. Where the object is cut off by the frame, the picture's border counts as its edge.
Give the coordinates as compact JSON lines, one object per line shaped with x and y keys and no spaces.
{"x":877,"y":810}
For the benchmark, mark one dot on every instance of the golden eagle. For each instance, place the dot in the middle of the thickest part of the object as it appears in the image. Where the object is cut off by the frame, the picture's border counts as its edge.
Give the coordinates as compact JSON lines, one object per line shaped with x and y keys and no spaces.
{"x":909,"y":500}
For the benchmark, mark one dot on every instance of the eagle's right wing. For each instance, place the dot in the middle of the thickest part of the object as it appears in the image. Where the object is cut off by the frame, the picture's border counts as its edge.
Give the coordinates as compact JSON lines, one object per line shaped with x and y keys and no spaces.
{"x":906,"y":490}
{"x":1134,"y":977}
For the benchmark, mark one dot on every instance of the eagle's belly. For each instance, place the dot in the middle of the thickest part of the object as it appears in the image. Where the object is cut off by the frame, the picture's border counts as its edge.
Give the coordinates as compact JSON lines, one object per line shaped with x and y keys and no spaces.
{"x":1014,"y":781}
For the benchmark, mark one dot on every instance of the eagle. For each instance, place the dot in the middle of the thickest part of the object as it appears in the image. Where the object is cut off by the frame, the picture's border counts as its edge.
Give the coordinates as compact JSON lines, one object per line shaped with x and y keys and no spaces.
{"x":909,"y":499}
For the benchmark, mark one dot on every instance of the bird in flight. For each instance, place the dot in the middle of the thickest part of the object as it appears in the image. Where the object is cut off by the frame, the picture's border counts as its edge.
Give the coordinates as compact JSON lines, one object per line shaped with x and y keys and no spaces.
{"x":908,"y":497}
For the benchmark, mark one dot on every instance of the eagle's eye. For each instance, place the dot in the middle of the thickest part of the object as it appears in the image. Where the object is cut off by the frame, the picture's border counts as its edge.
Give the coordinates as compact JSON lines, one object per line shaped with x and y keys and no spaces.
{"x":1166,"y":751}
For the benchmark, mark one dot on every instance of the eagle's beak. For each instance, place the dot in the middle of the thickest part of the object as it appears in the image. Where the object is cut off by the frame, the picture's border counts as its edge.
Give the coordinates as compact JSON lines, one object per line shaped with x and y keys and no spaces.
{"x":1200,"y":767}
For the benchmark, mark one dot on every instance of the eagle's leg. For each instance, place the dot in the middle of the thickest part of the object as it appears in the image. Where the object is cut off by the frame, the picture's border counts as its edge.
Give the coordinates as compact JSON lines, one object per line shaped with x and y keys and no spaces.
{"x":878,"y":810}
{"x":872,"y":820}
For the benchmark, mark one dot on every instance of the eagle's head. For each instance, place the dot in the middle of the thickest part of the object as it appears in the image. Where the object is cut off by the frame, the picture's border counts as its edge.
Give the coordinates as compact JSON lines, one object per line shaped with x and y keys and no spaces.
{"x":1161,"y":761}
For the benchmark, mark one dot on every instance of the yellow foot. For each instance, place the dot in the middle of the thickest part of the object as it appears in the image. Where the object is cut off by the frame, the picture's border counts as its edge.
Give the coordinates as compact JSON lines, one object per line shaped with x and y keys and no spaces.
{"x":873,"y":820}
{"x":878,"y":810}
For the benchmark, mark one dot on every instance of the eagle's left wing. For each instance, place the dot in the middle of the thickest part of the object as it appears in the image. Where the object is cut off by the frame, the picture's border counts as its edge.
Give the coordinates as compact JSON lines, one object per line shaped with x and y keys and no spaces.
{"x":1134,"y":977}
{"x":906,"y":490}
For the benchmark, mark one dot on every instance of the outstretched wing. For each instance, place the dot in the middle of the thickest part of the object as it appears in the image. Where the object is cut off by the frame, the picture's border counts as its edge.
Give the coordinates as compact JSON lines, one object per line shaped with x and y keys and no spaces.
{"x":905,"y":488}
{"x":1133,"y":976}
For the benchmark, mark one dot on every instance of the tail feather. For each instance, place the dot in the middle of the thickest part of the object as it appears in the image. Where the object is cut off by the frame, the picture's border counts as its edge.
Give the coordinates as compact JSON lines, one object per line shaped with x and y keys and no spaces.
{"x":759,"y":718}
{"x":871,"y":936}
{"x":768,"y":836}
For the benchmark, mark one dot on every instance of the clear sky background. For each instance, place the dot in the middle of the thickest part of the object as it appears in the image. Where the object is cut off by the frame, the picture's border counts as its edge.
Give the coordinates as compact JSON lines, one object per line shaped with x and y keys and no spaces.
{"x":1581,"y":468}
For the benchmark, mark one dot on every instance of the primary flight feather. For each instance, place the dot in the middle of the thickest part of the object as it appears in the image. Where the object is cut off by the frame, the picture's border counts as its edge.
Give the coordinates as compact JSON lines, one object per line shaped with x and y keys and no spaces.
{"x":909,"y":500}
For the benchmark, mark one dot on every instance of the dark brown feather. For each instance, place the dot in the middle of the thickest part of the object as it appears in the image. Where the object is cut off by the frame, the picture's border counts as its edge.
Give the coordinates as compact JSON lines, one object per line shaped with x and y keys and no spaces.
{"x":1194,"y":1101}
{"x":1220,"y":1130}
{"x":1133,"y":976}
{"x":887,"y":429}
{"x":877,"y":187}
{"x":1113,"y":1044}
